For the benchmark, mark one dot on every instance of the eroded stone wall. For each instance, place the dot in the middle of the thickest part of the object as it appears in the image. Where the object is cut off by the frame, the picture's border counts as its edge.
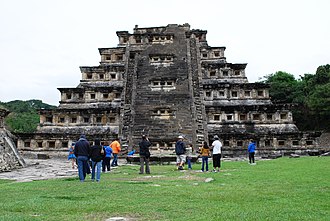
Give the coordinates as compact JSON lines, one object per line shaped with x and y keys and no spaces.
{"x":9,"y":156}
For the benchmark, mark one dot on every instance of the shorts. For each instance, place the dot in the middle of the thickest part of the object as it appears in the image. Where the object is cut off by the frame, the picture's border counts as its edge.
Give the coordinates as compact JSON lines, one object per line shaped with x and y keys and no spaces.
{"x":71,"y":156}
{"x":216,"y":160}
{"x":180,"y":158}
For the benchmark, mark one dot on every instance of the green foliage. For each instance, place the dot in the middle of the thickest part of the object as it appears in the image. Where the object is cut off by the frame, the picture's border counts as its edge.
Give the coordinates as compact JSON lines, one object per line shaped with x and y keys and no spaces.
{"x":23,"y":122}
{"x":319,"y":99}
{"x":311,"y":93}
{"x":283,"y":86}
{"x":282,"y":189}
{"x":24,"y":116}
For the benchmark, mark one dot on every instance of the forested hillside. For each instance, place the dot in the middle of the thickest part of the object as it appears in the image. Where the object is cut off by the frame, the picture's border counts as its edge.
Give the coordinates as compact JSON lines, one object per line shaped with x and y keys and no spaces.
{"x":311,"y":94}
{"x":24,"y":114}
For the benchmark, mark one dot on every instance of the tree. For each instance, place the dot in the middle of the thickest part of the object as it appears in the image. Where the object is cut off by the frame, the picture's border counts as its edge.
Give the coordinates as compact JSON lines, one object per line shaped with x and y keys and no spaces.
{"x":311,"y":93}
{"x":283,"y":86}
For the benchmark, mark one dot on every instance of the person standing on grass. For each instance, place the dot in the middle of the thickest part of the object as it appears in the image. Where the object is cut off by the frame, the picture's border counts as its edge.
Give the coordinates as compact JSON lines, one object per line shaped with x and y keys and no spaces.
{"x":82,"y":151}
{"x":97,"y":156}
{"x":251,"y":150}
{"x":107,"y":158}
{"x":216,"y":153}
{"x":180,"y":150}
{"x":144,"y":154}
{"x":205,"y":153}
{"x":189,"y":150}
{"x":115,"y":146}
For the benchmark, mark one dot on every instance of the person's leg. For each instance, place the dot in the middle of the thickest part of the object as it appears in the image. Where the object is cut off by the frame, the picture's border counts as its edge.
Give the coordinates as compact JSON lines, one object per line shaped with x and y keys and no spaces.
{"x":182,"y":160}
{"x":250,"y":157}
{"x":189,"y":162}
{"x":93,"y":170}
{"x":214,"y":159}
{"x":103,"y":165}
{"x":141,"y":164}
{"x":116,"y":160}
{"x":178,"y":161}
{"x":113,"y":161}
{"x":98,"y":171}
{"x":219,"y":162}
{"x":108,"y":163}
{"x":203,"y":163}
{"x":207,"y":163}
{"x":147,"y":165}
{"x":80,"y":168}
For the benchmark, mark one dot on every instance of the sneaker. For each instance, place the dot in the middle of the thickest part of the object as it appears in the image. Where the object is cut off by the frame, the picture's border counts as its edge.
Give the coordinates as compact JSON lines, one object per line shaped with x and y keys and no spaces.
{"x":214,"y":171}
{"x":180,"y":168}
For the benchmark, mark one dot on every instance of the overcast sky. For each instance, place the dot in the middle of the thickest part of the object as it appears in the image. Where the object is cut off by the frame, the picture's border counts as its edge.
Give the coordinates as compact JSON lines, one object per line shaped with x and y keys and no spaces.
{"x":43,"y":42}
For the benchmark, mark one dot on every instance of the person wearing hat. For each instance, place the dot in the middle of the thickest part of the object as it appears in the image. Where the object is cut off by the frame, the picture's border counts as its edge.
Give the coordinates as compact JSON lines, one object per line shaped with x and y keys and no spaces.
{"x":216,"y":153}
{"x":180,"y":150}
{"x":82,"y":151}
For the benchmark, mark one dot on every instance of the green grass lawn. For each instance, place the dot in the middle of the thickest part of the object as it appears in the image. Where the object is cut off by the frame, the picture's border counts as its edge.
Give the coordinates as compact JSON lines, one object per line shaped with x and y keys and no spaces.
{"x":281,"y":189}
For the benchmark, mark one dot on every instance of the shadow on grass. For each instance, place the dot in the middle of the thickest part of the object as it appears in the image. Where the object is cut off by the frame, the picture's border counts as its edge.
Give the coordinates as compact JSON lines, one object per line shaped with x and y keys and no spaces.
{"x":71,"y":198}
{"x":71,"y":179}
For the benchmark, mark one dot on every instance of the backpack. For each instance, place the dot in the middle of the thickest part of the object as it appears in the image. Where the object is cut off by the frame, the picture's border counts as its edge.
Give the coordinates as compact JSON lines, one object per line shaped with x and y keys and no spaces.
{"x":97,"y":156}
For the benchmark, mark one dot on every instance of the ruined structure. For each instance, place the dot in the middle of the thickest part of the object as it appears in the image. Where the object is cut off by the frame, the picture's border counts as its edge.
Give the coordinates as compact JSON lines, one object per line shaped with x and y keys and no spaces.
{"x":9,"y":156}
{"x":164,"y":82}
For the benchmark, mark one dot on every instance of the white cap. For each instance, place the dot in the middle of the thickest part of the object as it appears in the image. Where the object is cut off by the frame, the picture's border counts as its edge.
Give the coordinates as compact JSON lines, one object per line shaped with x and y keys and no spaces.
{"x":180,"y":137}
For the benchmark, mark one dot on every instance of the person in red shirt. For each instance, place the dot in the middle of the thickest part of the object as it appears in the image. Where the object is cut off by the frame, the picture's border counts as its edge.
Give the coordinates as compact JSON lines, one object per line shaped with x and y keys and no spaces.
{"x":115,"y":146}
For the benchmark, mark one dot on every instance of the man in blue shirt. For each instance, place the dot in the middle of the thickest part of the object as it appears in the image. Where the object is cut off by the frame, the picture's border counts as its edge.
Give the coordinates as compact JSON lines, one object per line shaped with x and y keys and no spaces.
{"x":251,"y":150}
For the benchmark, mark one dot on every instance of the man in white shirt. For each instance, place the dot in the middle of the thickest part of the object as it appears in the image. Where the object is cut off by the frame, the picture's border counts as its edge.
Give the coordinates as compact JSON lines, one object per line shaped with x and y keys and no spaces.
{"x":216,"y":153}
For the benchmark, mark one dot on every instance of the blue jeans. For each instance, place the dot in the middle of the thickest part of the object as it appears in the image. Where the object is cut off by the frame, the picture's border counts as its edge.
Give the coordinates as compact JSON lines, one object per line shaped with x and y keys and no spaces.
{"x":82,"y":167}
{"x":115,"y":160}
{"x":98,"y":167}
{"x":189,"y":162}
{"x":205,"y":162}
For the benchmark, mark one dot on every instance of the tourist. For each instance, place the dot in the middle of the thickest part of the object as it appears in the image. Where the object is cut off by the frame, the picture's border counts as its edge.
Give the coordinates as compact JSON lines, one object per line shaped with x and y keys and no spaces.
{"x":180,"y":150}
{"x":115,"y":145}
{"x":71,"y":156}
{"x":82,"y":151}
{"x":216,"y":153}
{"x":205,"y":153}
{"x":144,"y":154}
{"x":189,"y":150}
{"x":97,"y":156}
{"x":251,"y":150}
{"x":107,"y":158}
